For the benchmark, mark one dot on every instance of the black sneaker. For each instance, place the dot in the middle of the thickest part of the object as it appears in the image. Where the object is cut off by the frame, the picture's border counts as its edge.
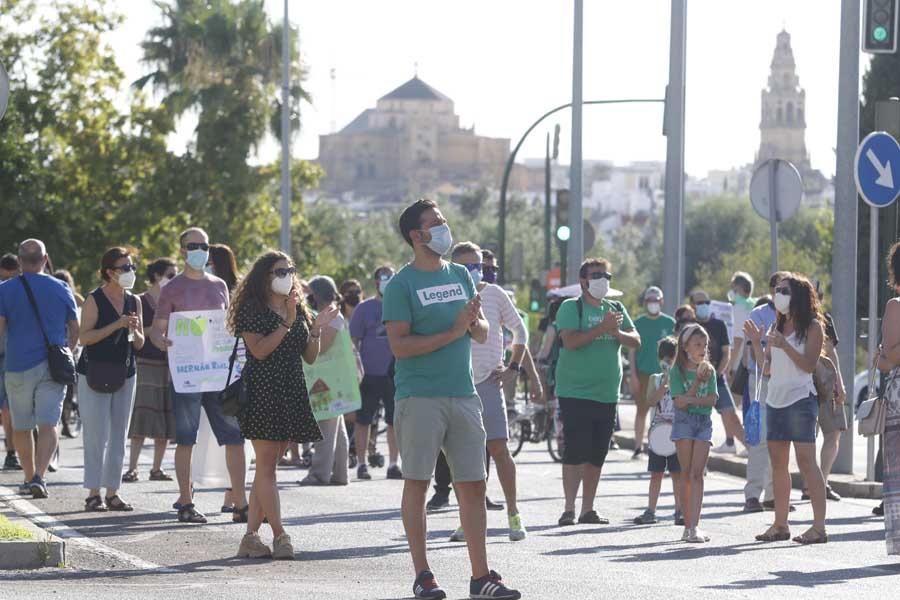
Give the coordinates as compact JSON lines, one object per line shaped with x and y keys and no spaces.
{"x":878,"y":511}
{"x":592,"y":518}
{"x":376,"y":460}
{"x":38,"y":488}
{"x":491,"y":505}
{"x":832,"y":495}
{"x":12,"y":462}
{"x":426,"y":587}
{"x":362,"y":472}
{"x":567,"y":519}
{"x":752,"y":505}
{"x":439,"y":501}
{"x":394,"y":472}
{"x":491,"y":587}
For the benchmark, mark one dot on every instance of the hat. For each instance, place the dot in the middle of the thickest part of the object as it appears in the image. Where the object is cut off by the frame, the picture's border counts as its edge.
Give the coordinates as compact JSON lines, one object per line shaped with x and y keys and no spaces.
{"x":653,"y":292}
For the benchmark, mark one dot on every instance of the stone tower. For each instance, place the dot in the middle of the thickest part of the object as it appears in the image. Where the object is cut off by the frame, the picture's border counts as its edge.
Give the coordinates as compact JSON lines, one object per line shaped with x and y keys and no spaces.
{"x":783,"y":123}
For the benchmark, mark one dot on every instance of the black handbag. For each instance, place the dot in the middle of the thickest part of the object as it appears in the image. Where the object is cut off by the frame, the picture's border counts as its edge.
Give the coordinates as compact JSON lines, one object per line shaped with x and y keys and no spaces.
{"x":59,"y":358}
{"x":740,"y":380}
{"x":234,"y":396}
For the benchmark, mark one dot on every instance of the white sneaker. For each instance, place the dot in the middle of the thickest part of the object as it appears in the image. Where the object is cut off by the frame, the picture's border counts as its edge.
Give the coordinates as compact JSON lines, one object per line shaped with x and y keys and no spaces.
{"x":697,"y":537}
{"x":458,"y":536}
{"x":725,"y":449}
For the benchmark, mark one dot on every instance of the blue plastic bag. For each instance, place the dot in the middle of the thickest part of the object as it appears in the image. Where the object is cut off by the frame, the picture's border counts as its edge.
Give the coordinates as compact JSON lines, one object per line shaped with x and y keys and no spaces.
{"x":752,"y":424}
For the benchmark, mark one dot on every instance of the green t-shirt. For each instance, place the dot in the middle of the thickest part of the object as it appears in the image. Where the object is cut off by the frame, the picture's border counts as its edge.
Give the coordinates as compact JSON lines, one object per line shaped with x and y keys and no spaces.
{"x":679,"y":384}
{"x":430,"y":301}
{"x":594,"y":371}
{"x":651,"y":330}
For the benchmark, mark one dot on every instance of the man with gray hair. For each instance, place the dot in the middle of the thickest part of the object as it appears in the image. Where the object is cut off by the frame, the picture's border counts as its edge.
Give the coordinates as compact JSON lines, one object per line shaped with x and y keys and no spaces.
{"x":35,"y":399}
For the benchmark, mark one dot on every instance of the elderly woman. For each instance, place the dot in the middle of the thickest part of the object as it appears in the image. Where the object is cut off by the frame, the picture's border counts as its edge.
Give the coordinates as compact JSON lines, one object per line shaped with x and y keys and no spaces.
{"x":330,"y":462}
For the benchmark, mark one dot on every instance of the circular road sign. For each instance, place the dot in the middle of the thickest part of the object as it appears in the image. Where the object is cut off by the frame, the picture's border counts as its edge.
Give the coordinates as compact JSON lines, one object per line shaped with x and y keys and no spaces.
{"x":788,"y":188}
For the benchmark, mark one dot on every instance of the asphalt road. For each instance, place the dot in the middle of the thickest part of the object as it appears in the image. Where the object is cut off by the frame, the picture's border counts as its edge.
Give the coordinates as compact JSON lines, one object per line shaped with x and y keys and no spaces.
{"x":350,"y":544}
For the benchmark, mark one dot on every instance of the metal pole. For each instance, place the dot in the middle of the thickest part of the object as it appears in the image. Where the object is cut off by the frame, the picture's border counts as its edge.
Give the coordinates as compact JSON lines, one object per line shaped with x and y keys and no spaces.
{"x":576,"y":247}
{"x":773,"y":212}
{"x":547,"y":201}
{"x":673,"y":212}
{"x":844,"y":248}
{"x":873,"y":321}
{"x":286,"y":134}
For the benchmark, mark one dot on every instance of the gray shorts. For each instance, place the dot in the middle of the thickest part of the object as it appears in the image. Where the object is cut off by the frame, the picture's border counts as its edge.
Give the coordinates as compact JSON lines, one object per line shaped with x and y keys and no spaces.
{"x":34,"y":398}
{"x":493,"y":408}
{"x":427,"y":425}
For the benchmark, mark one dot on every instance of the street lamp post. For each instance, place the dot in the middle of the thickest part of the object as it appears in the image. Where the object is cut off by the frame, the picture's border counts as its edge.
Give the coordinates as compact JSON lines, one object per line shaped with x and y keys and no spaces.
{"x":286,"y":134}
{"x":504,"y":184}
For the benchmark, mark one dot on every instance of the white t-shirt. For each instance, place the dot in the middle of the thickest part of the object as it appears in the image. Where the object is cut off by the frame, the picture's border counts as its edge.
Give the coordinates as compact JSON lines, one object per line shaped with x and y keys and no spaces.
{"x":788,"y":383}
{"x":500,"y":312}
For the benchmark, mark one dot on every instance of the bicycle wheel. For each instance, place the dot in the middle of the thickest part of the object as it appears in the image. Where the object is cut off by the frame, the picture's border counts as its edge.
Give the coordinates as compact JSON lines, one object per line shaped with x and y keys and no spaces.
{"x":71,"y":418}
{"x":518,"y":432}
{"x":555,"y":444}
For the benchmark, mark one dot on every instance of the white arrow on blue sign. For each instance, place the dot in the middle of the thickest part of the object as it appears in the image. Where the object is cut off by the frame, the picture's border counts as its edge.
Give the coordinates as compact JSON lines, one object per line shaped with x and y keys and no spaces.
{"x":877,"y":169}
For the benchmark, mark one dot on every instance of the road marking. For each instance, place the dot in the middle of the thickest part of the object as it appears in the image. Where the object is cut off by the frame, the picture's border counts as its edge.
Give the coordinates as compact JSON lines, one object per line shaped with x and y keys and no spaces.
{"x":72,"y":536}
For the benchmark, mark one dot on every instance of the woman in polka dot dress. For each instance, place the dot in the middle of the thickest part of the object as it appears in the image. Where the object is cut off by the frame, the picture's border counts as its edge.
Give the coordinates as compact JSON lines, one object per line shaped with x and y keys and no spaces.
{"x":269,"y":314}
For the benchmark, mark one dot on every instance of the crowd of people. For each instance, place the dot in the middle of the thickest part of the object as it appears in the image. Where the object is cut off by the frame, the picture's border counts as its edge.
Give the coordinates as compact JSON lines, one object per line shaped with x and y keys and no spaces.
{"x":436,"y":351}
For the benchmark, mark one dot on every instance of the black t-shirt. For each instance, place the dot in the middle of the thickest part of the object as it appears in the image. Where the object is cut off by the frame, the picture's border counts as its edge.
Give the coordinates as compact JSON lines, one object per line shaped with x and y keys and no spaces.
{"x":718,"y":337}
{"x":830,"y":332}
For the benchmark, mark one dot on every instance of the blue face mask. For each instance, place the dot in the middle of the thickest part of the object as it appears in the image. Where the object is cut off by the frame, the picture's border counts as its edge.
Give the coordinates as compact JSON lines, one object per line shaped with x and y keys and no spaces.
{"x":441,"y":239}
{"x":477,"y":276}
{"x":489,"y":276}
{"x":703,"y":311}
{"x":197,"y":259}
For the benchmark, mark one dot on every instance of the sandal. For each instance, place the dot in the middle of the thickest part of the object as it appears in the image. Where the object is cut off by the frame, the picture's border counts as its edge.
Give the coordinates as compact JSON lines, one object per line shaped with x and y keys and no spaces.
{"x":567,"y":518}
{"x":115,"y":503}
{"x":131,"y":476}
{"x":160,"y":475}
{"x":189,"y":514}
{"x":775,"y":534}
{"x":240,"y":515}
{"x":812,"y":536}
{"x":94,"y":504}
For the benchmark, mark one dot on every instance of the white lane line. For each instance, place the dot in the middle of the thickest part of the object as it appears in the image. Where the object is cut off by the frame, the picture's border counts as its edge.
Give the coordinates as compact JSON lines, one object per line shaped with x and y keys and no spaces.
{"x":58,"y":528}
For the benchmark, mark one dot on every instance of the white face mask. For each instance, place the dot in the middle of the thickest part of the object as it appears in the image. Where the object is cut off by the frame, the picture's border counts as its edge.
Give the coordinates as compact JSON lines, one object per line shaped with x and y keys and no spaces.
{"x":653,"y":308}
{"x":126,"y":280}
{"x":782,"y":303}
{"x":282,"y":285}
{"x":164,"y":282}
{"x":441,"y":239}
{"x":665,"y":365}
{"x":383,"y":283}
{"x":598,"y":288}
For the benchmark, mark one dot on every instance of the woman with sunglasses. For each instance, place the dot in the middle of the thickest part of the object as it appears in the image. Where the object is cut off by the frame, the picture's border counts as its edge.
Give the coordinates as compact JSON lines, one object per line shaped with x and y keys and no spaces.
{"x":111,"y":331}
{"x":793,"y":347}
{"x":351,"y":295}
{"x":269,"y":314}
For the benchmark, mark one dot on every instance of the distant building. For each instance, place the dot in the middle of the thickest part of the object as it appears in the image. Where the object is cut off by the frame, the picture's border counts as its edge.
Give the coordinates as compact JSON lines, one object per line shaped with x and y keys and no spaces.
{"x":409,"y":145}
{"x":782,"y":124}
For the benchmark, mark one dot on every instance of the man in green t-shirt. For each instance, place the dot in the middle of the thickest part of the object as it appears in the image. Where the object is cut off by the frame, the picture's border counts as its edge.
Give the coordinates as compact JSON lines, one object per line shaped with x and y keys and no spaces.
{"x":593,"y":330}
{"x":432,"y":311}
{"x":652,"y":327}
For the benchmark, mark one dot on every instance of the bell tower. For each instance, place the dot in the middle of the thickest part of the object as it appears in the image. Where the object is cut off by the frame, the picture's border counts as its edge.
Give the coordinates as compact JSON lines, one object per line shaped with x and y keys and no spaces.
{"x":783,"y":121}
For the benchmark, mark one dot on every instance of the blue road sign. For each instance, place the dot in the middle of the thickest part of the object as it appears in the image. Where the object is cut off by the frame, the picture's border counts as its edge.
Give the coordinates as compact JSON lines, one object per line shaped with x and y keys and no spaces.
{"x":877,"y":169}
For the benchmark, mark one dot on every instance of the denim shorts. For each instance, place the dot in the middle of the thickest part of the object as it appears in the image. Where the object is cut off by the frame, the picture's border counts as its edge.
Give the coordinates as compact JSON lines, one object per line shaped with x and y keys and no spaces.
{"x":691,"y":427}
{"x":726,"y":400}
{"x":187,"y":419}
{"x":795,"y":423}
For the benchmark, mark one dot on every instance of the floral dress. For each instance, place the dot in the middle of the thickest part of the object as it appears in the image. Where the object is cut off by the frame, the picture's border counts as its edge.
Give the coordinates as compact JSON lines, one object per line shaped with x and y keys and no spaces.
{"x":278,"y":403}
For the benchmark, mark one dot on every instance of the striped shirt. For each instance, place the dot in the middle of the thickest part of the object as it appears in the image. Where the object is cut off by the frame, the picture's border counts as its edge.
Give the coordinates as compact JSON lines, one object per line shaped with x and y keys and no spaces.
{"x":500,"y":313}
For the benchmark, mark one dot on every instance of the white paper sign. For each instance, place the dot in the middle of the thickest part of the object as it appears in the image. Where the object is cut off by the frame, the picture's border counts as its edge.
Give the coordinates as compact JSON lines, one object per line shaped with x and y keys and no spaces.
{"x":201,"y":347}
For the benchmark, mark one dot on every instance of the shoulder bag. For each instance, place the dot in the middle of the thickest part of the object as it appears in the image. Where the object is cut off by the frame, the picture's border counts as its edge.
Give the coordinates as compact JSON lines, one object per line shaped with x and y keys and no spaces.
{"x":59,"y":358}
{"x":234,"y":396}
{"x":872,"y":413}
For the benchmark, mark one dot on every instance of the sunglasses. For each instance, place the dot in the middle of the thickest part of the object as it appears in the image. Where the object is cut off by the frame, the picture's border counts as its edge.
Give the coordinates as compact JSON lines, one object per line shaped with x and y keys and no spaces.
{"x":354,"y":292}
{"x":606,"y":276}
{"x":783,"y":290}
{"x":475,"y":267}
{"x":197,"y":246}
{"x":125,"y":268}
{"x":490,"y":268}
{"x":284,"y":272}
{"x":702,"y":302}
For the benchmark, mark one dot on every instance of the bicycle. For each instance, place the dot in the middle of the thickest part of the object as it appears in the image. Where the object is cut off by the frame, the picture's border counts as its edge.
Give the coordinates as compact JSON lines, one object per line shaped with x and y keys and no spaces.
{"x":535,"y":424}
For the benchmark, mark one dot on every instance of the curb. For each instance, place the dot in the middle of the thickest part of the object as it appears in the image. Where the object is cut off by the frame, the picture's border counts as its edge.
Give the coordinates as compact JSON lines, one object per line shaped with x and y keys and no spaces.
{"x":845,"y":485}
{"x":44,"y":550}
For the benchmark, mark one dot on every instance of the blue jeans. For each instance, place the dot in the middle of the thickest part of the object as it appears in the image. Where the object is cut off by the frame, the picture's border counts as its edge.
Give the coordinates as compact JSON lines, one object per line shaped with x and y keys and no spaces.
{"x":187,"y":419}
{"x":795,"y":423}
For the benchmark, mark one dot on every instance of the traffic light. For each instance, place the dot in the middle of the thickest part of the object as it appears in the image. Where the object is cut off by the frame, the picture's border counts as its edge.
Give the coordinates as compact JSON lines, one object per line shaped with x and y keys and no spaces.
{"x":535,"y":300}
{"x":562,"y":215}
{"x":881,"y":20}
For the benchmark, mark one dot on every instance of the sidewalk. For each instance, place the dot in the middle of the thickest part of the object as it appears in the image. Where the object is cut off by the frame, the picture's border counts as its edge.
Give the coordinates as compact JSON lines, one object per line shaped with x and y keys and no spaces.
{"x":853,"y":486}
